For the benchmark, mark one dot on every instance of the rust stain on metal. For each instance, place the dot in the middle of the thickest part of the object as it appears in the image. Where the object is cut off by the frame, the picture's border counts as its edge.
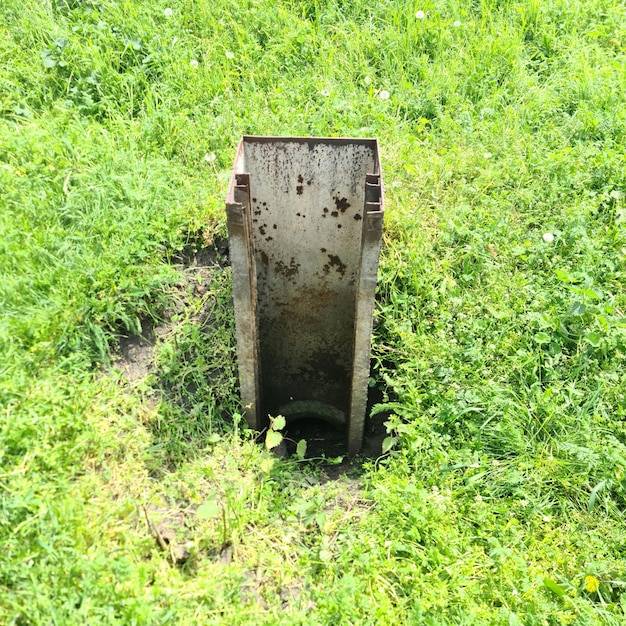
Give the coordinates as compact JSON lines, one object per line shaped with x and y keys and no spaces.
{"x":335,"y":262}
{"x":341,"y":203}
{"x":288,"y":271}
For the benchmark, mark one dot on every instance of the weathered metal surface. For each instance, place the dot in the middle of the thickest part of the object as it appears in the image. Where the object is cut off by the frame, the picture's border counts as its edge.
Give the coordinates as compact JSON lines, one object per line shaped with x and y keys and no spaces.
{"x":305,"y":224}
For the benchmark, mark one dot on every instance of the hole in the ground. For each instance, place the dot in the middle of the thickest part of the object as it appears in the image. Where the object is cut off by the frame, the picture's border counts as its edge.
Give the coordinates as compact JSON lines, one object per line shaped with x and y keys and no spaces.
{"x":325,"y":441}
{"x":322,"y":439}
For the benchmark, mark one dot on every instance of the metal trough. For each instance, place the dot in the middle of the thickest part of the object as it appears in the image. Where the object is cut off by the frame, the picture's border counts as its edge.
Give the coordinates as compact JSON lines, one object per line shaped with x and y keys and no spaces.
{"x":305,"y":224}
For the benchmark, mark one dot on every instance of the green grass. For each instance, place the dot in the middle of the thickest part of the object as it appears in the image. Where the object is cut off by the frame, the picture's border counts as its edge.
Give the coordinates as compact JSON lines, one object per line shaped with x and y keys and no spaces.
{"x":502,"y":498}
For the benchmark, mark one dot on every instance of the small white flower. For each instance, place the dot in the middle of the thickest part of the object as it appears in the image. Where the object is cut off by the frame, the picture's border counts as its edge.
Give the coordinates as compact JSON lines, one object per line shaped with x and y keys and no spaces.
{"x":384,"y":94}
{"x":230,"y":55}
{"x":367,"y":80}
{"x":209,"y":158}
{"x":194,"y":64}
{"x":487,"y":155}
{"x":548,"y":237}
{"x":325,"y":93}
{"x":456,"y":23}
{"x":168,"y":12}
{"x":420,"y":15}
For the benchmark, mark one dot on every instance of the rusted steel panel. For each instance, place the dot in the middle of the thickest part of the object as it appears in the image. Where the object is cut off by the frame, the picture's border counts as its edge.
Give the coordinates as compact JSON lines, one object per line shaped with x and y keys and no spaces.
{"x":305,"y":225}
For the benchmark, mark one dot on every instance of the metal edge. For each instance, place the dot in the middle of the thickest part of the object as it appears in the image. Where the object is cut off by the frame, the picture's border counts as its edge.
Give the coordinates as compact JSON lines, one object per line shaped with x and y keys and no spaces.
{"x":244,"y":289}
{"x":364,"y":141}
{"x":371,"y":241}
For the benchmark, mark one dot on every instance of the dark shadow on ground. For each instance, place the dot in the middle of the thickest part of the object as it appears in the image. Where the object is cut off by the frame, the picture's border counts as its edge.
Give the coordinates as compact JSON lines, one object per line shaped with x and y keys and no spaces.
{"x":327,"y":445}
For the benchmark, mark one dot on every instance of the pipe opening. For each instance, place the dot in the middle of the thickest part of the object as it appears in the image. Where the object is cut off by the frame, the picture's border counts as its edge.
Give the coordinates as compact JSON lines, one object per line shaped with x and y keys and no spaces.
{"x":323,"y":440}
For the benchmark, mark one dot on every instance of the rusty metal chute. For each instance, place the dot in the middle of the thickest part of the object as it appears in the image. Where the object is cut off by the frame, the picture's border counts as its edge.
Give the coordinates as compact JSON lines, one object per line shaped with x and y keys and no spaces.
{"x":305,"y":225}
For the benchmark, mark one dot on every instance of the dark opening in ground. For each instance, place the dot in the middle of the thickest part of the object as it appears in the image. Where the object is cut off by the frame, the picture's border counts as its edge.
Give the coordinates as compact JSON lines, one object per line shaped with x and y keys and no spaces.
{"x":328,"y":443}
{"x":323,"y":440}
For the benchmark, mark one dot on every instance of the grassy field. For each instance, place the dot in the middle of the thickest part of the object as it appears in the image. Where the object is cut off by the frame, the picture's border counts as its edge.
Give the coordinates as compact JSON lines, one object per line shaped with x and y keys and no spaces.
{"x":131,"y":493}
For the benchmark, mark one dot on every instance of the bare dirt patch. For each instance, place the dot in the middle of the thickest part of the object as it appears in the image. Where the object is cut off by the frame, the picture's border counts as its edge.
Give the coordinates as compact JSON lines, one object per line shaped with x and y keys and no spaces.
{"x":135,"y":354}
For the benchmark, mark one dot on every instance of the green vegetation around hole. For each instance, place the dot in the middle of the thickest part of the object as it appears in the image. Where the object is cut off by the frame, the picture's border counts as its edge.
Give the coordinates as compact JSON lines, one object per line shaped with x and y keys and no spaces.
{"x":130,"y":491}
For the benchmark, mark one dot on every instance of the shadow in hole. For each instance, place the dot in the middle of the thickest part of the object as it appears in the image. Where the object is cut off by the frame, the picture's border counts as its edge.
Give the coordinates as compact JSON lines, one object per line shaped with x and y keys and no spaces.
{"x":329,"y":444}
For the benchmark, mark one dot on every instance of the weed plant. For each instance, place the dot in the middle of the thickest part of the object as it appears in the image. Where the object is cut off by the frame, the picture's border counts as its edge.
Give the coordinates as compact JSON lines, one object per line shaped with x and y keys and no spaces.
{"x":500,"y":346}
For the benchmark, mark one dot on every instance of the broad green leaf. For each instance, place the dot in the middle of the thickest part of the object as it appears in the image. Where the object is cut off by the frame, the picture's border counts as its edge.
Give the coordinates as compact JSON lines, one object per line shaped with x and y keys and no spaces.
{"x":553,"y":587}
{"x":267,"y":464}
{"x":578,"y":308}
{"x":208,"y":510}
{"x":590,"y":293}
{"x":542,"y":337}
{"x":278,"y":423}
{"x":388,"y":443}
{"x":273,"y":439}
{"x":213,"y":438}
{"x":326,"y":555}
{"x":564,"y":276}
{"x":301,"y":449}
{"x":334,"y":460}
{"x":570,"y":277}
{"x":595,"y":339}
